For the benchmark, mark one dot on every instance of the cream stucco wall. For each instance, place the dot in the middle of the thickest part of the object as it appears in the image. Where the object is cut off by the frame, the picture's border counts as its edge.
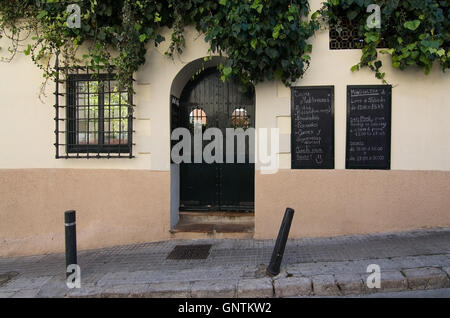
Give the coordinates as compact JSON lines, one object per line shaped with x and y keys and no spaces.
{"x":420,"y":106}
{"x":29,"y":134}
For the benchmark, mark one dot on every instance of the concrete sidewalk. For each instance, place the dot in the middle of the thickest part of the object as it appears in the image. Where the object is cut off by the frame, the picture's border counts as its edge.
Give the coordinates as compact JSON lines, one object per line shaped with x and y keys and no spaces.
{"x":418,"y":260}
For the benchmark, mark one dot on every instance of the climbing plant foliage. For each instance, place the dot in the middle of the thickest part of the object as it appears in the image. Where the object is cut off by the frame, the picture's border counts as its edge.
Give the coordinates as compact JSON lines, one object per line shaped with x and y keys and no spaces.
{"x":262,"y":39}
{"x":416,"y":33}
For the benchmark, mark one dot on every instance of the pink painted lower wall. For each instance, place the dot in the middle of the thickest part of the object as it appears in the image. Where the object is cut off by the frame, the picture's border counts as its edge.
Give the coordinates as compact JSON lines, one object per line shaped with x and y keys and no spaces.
{"x":333,"y":203}
{"x":114,"y":207}
{"x":119,"y":207}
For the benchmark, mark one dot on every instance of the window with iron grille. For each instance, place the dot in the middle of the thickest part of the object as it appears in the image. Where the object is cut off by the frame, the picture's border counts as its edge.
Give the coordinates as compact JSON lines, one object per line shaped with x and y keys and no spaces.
{"x":94,"y":117}
{"x":344,"y":36}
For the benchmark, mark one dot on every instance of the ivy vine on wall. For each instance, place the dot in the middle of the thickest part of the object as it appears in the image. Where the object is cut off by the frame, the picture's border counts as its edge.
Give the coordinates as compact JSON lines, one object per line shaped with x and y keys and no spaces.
{"x":414,"y":32}
{"x":263,"y":39}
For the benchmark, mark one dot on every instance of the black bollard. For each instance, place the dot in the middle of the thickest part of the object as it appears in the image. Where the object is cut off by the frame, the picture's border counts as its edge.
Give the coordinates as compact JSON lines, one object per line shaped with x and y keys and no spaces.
{"x":71,"y":238}
{"x":277,"y":256}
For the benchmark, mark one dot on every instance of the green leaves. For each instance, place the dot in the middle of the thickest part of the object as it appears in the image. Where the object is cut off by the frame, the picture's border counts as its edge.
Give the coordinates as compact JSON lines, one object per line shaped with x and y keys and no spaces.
{"x":352,"y":14}
{"x":257,"y":5}
{"x":143,"y":37}
{"x":389,"y":51}
{"x":441,"y":53}
{"x":372,"y":37}
{"x":227,"y":71}
{"x":431,"y":44}
{"x":262,"y":39}
{"x":27,"y":51}
{"x":413,"y":33}
{"x":272,"y":53}
{"x":42,"y":14}
{"x":276,"y":31}
{"x":157,"y":18}
{"x":412,"y":25}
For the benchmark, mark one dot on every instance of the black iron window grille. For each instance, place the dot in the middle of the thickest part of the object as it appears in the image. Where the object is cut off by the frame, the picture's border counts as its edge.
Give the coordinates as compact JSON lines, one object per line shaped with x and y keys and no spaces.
{"x":94,"y":116}
{"x":345,"y":36}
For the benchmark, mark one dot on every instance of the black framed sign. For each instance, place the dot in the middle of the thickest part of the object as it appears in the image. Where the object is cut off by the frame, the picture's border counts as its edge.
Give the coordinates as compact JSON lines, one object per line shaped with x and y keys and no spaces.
{"x":369,"y":114}
{"x":312,"y":135}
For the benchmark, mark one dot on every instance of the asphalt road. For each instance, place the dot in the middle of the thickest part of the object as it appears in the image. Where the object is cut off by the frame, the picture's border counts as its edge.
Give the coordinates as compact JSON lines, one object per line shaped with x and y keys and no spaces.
{"x":439,"y":293}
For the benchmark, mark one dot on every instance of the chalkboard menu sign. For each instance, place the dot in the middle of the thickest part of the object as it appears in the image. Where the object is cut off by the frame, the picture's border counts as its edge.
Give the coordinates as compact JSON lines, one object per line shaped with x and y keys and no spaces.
{"x":369,"y":127}
{"x":312,"y":136}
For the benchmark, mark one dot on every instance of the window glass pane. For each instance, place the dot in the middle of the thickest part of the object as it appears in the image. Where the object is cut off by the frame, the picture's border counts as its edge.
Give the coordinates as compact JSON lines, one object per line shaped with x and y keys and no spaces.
{"x":87,"y":93}
{"x":116,"y":112}
{"x":239,"y":118}
{"x":102,"y":112}
{"x":112,"y":93}
{"x":87,"y":112}
{"x":197,"y":117}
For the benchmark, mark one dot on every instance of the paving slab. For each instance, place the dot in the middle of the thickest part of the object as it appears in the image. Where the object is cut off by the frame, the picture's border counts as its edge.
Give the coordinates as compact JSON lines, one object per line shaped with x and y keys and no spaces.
{"x":25,"y":283}
{"x":123,"y":278}
{"x":447,"y":270}
{"x":126,"y":291}
{"x":325,"y":285}
{"x":86,"y":291}
{"x":391,"y":281}
{"x":53,"y":288}
{"x":169,"y":290}
{"x":6,"y":277}
{"x":152,"y":256}
{"x":426,"y":278}
{"x":6,"y":294}
{"x":350,"y":284}
{"x":26,"y":293}
{"x":255,"y":288}
{"x":292,"y":287}
{"x":214,"y":289}
{"x":236,"y":268}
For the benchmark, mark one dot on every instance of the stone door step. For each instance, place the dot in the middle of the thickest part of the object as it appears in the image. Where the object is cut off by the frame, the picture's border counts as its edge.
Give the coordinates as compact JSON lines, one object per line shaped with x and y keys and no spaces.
{"x":199,"y":225}
{"x":217,"y":217}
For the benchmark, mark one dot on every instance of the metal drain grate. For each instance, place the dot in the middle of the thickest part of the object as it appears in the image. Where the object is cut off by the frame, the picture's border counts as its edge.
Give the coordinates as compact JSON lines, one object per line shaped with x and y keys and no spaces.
{"x":190,"y":252}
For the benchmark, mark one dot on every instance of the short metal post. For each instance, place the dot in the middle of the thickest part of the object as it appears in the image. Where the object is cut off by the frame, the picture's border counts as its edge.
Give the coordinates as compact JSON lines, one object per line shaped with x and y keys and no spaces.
{"x":277,"y":256}
{"x":71,"y":238}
